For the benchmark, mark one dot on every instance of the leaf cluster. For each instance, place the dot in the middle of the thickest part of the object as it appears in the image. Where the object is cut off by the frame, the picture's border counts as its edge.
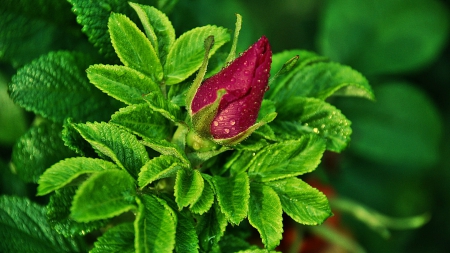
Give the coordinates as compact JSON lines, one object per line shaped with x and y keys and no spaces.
{"x":119,"y":153}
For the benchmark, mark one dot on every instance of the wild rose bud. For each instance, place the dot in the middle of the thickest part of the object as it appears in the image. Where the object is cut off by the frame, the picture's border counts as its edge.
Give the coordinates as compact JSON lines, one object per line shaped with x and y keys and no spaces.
{"x":245,"y":80}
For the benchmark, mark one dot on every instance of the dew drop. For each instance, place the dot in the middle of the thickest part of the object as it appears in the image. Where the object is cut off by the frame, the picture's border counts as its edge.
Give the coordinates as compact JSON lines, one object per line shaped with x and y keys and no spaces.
{"x":245,"y":63}
{"x":227,"y":130}
{"x":232,"y":122}
{"x":232,"y":79}
{"x":246,"y":72}
{"x":258,"y":81}
{"x":220,"y":118}
{"x":215,"y":123}
{"x":265,"y":70}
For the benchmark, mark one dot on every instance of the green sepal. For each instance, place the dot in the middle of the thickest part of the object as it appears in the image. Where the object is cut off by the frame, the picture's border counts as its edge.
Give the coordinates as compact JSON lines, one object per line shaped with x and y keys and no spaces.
{"x":202,"y":119}
{"x":208,"y":44}
{"x":238,"y":25}
{"x":245,"y":134}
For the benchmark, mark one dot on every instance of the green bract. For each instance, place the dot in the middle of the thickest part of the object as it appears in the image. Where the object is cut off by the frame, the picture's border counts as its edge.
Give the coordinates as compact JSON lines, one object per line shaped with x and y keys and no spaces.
{"x":122,"y":152}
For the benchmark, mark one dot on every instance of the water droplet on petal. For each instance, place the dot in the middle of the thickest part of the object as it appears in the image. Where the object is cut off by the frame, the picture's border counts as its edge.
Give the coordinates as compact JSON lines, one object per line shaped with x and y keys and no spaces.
{"x":232,"y":122}
{"x":258,"y":81}
{"x":220,"y":118}
{"x":232,"y":79}
{"x":216,"y":123}
{"x":227,"y":130}
{"x":246,"y":72}
{"x":265,"y":70}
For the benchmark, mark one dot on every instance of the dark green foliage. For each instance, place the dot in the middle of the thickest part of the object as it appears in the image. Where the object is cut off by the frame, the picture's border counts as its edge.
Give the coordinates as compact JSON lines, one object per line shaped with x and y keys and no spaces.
{"x":37,"y":150}
{"x":24,"y":228}
{"x":127,"y":166}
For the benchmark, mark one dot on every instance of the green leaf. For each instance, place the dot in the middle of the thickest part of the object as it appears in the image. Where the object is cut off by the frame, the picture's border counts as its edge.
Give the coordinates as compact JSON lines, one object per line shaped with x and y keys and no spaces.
{"x":186,"y":54}
{"x":323,"y":79}
{"x":210,"y":228}
{"x":121,"y":82}
{"x":133,"y":48}
{"x":158,"y":168}
{"x":378,"y":222}
{"x":303,"y":203}
{"x":39,"y":27}
{"x":206,"y":199}
{"x":37,"y":150}
{"x":10,"y":183}
{"x":13,"y":122}
{"x":93,"y":16}
{"x":197,"y":158}
{"x":235,"y":243}
{"x":239,"y":161}
{"x":188,"y":187}
{"x":119,"y":145}
{"x":142,"y":121}
{"x":265,"y":214}
{"x":186,"y":239}
{"x":64,"y":172}
{"x":104,"y":195}
{"x":403,"y":128}
{"x":163,"y":106}
{"x":158,"y":28}
{"x":73,"y":140}
{"x":166,"y":148}
{"x":58,"y":213}
{"x":381,"y":35}
{"x":155,"y":226}
{"x":233,"y":194}
{"x":287,"y":159}
{"x":59,"y":78}
{"x":280,"y":76}
{"x":24,"y":228}
{"x":118,"y":239}
{"x":311,"y":115}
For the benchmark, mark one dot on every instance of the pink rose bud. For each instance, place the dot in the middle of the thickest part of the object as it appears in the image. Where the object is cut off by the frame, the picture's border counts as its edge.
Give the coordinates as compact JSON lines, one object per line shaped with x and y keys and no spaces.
{"x":245,"y":81}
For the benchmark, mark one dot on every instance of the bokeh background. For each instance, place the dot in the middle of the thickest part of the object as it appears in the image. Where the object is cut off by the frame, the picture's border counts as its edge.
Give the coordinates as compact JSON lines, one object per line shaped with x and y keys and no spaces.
{"x":398,"y":161}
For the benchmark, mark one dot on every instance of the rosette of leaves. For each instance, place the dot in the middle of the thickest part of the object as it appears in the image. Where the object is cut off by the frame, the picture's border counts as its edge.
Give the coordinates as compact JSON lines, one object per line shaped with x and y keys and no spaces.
{"x":155,"y":192}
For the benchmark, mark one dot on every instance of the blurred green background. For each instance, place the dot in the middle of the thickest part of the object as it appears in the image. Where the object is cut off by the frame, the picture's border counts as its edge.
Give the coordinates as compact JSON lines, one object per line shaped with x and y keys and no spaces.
{"x":397,"y":162}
